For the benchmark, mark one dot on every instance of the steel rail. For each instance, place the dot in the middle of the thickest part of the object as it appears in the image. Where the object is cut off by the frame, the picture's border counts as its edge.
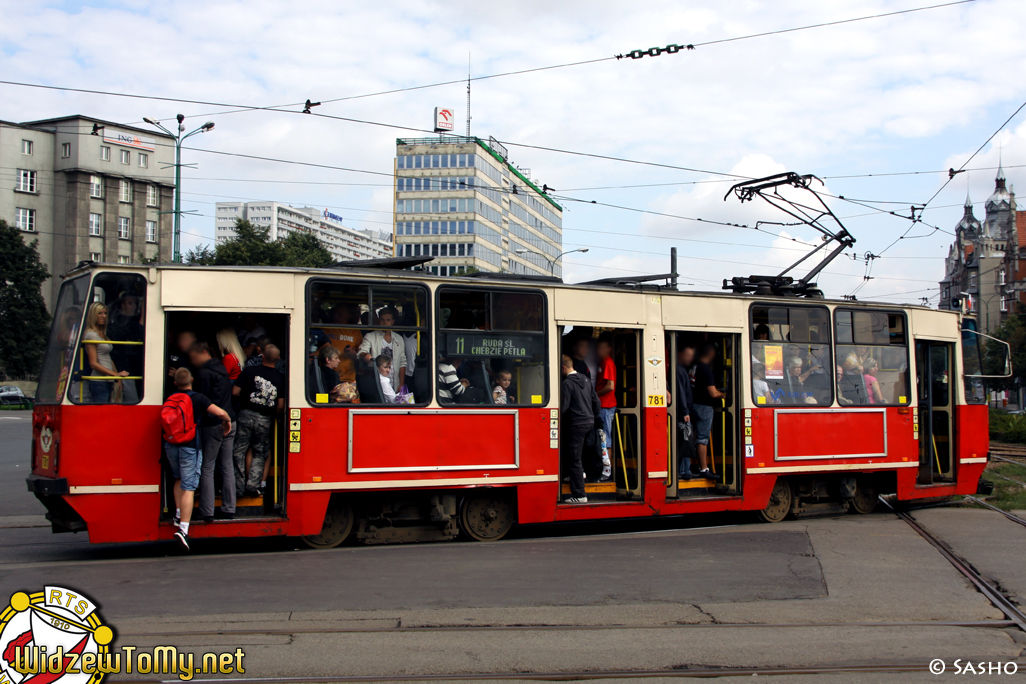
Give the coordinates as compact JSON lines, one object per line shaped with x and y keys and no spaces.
{"x":999,"y":600}
{"x":1013,"y":518}
{"x":569,"y":675}
{"x":996,"y":624}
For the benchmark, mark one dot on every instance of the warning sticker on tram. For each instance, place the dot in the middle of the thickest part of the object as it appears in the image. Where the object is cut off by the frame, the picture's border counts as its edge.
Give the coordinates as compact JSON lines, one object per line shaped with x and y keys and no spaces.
{"x":294,"y":436}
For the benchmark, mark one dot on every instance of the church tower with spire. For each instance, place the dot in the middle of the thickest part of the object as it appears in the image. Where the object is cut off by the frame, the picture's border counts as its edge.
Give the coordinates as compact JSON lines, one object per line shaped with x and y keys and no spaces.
{"x":983,"y":261}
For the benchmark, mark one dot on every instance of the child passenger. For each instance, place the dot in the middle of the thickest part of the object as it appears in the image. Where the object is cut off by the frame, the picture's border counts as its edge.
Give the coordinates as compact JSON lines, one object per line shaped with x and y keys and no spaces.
{"x":503,"y":378}
{"x":384,"y":365}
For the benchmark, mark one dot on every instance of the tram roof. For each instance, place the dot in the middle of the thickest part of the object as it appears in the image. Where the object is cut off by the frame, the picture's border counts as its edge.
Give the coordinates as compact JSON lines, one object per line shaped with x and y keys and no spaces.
{"x":398,"y":267}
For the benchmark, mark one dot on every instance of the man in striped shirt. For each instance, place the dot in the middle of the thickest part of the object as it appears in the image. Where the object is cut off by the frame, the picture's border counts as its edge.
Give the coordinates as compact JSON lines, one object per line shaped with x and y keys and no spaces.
{"x":450,"y":385}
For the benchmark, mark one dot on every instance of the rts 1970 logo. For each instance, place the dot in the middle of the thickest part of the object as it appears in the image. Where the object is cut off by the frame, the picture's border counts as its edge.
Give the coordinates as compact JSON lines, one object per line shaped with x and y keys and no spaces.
{"x":52,"y":635}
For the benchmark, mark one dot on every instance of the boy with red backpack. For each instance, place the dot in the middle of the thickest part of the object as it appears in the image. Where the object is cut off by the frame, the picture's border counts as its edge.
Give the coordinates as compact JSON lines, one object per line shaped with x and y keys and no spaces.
{"x":180,"y":417}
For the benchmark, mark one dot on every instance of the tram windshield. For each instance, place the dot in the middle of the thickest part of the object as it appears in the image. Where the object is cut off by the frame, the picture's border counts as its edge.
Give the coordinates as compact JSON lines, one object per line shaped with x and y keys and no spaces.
{"x":60,"y":350}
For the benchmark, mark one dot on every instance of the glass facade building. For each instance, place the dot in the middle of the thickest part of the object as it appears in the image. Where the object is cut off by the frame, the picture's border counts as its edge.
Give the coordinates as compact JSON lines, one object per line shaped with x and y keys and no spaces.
{"x":460,"y":201}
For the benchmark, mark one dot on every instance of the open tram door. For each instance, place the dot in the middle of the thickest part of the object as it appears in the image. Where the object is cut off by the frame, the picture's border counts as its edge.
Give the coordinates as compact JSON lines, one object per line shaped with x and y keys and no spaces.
{"x":268,"y":501}
{"x":936,"y":400}
{"x":724,"y":435}
{"x":620,"y":479}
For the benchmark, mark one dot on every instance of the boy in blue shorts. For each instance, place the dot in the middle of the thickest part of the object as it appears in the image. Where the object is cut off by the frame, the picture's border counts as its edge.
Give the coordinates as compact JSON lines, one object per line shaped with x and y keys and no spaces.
{"x":186,"y":459}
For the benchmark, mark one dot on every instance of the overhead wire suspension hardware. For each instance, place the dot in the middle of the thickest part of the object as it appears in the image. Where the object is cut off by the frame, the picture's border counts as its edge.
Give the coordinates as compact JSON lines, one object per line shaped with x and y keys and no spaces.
{"x":814,"y":213}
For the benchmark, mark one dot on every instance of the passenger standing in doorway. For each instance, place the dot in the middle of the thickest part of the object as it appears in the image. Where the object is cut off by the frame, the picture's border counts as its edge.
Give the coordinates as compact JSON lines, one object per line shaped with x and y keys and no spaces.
{"x":178,"y":357}
{"x":579,"y":352}
{"x":605,"y":387}
{"x":579,"y":409}
{"x":185,"y":459}
{"x":212,"y":381}
{"x":262,"y":389}
{"x":257,"y":359}
{"x":707,"y":397}
{"x":685,"y":403}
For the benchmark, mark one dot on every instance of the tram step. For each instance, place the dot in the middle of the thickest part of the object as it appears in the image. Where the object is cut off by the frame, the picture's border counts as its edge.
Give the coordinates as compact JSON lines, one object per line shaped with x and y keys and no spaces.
{"x":594,"y":488}
{"x":695,"y":483}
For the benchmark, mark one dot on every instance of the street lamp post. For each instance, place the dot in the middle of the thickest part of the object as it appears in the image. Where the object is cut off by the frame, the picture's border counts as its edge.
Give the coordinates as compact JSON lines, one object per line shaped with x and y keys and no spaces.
{"x":552,"y":262}
{"x":179,"y":139}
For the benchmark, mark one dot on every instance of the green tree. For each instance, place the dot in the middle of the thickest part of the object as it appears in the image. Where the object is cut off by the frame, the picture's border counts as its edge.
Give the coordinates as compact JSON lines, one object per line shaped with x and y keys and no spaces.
{"x":1012,"y":331}
{"x":305,"y":250}
{"x":24,"y":321}
{"x":253,"y":246}
{"x":201,"y":256}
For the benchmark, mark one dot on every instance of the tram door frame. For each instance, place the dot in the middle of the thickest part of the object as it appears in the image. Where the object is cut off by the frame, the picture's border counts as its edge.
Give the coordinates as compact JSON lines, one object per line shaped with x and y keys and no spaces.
{"x":936,"y":420}
{"x":624,"y":441}
{"x":280,"y":436}
{"x":730,"y":411}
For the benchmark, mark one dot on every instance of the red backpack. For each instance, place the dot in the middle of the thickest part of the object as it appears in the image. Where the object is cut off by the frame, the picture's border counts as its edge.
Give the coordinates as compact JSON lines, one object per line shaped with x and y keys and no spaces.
{"x":177,"y":420}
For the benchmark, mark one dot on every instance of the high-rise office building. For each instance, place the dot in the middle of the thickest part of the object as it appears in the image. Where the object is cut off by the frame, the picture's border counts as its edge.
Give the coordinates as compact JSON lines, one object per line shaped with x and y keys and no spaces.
{"x":460,"y":201}
{"x":344,"y":243}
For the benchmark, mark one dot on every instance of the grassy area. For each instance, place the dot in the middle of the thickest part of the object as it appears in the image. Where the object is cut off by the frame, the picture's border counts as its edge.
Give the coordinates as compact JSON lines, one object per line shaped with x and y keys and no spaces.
{"x":1005,"y":427}
{"x":1007,"y":495}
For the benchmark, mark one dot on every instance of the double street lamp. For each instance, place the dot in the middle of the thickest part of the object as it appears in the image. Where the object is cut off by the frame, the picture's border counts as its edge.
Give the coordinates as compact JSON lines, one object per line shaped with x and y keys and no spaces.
{"x":179,"y":139}
{"x":552,"y":262}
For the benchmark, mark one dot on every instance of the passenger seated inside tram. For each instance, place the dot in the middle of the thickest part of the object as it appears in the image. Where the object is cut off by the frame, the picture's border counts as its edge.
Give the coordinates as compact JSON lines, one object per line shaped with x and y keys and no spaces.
{"x":799,"y":391}
{"x":384,"y":366}
{"x":842,"y":398}
{"x":323,"y":374}
{"x":873,"y":393}
{"x":760,"y":388}
{"x":499,"y":396}
{"x":852,"y":381}
{"x":450,"y":386}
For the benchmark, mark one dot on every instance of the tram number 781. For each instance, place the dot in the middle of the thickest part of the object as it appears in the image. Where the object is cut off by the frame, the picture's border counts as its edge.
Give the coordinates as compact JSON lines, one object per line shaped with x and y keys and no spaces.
{"x":657,"y":400}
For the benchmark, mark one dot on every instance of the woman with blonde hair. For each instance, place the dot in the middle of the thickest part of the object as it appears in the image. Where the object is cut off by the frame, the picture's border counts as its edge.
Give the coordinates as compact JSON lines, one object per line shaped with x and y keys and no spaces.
{"x":98,"y":355}
{"x":232,"y":355}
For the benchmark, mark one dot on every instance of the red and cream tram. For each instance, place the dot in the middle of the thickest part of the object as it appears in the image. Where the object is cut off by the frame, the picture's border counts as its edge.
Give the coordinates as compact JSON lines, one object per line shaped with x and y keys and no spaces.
{"x":828,"y":403}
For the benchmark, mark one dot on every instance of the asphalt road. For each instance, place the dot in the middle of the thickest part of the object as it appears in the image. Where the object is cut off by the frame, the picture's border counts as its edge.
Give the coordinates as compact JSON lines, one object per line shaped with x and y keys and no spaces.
{"x":682,"y":594}
{"x":15,"y":438}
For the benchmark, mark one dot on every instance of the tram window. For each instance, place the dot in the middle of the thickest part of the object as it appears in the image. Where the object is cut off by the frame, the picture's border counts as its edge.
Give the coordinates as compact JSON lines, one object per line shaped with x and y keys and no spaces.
{"x":972,"y":364}
{"x":872,"y":353}
{"x":492,"y":346}
{"x":351,"y":325}
{"x":60,"y":350}
{"x":791,"y":361}
{"x":111,"y":350}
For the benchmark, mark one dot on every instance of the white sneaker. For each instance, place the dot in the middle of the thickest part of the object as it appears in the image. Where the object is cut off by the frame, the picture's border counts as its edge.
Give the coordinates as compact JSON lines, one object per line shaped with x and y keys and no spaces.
{"x":576,"y":500}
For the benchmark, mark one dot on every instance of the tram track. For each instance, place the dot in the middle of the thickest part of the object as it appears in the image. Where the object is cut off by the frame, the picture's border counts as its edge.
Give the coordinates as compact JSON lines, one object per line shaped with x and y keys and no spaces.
{"x":578,"y":675}
{"x":988,"y":624}
{"x":999,"y":600}
{"x":1014,"y":518}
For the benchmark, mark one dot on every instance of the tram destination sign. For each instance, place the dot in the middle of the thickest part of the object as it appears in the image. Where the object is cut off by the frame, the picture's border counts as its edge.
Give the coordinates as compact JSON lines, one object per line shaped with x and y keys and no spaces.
{"x":494,"y":345}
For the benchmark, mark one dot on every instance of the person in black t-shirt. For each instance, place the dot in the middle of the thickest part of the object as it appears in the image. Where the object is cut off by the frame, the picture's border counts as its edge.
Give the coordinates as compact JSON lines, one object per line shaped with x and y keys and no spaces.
{"x":262,"y":390}
{"x":706,"y":398}
{"x":212,"y":381}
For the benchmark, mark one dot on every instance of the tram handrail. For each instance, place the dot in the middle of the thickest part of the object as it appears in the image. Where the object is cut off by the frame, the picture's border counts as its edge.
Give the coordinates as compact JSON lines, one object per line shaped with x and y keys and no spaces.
{"x":112,"y":342}
{"x":110,"y":377}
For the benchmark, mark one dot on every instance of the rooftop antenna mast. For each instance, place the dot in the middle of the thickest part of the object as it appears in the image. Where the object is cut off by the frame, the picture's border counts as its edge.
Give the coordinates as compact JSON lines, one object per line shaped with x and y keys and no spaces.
{"x":468,"y":94}
{"x":813,"y":212}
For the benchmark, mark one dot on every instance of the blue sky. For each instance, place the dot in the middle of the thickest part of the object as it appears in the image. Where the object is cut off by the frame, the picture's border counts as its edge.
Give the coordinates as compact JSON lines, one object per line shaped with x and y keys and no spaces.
{"x":917,"y":92}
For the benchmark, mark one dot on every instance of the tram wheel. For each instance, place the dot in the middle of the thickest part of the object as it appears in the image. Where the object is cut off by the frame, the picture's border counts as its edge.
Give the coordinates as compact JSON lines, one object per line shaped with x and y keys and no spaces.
{"x":779,"y":503}
{"x":338,"y":525}
{"x":865,"y":499}
{"x":487,"y":515}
